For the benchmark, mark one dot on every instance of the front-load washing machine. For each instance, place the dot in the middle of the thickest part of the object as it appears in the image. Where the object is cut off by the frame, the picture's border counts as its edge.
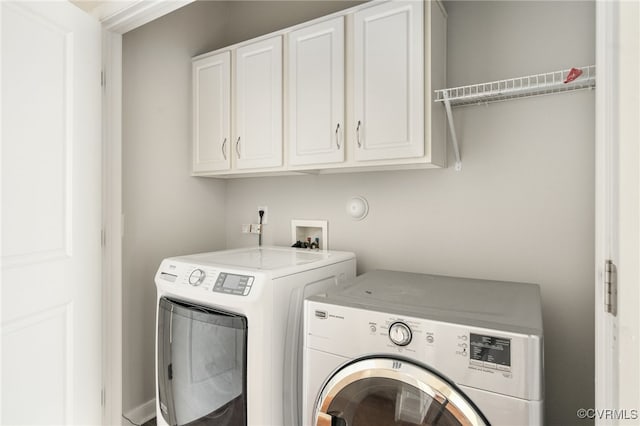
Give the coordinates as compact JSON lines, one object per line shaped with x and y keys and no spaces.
{"x":229,"y":333}
{"x":396,"y":348}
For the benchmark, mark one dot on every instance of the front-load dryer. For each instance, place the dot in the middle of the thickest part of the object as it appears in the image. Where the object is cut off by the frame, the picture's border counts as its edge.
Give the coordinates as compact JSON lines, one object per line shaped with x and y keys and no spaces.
{"x":396,"y":348}
{"x":229,"y":333}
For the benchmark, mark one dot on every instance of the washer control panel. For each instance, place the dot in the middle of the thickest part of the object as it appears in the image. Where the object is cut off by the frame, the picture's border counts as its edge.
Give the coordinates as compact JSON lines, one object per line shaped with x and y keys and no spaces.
{"x":196,"y":277}
{"x":204,"y":278}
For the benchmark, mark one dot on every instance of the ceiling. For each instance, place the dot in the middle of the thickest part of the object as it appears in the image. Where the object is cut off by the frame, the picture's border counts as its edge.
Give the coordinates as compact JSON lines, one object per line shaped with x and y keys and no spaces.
{"x":89,"y":5}
{"x":102,"y":9}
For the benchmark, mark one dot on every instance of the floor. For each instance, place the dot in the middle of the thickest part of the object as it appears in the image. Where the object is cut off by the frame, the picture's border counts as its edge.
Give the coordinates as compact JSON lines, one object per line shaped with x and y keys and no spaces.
{"x":151,"y":422}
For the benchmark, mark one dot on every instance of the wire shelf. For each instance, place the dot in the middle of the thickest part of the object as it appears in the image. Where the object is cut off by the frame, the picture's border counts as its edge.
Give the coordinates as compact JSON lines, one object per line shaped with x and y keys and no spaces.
{"x":502,"y":90}
{"x":533,"y":85}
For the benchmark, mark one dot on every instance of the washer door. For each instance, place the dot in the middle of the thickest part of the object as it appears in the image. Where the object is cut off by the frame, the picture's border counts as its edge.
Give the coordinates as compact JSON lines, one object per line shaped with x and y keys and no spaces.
{"x":201,"y":365}
{"x":388,"y":392}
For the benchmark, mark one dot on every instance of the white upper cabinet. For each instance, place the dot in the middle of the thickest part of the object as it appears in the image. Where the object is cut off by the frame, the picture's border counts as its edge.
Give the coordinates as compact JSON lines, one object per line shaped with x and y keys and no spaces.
{"x":347,"y":92}
{"x":257,"y":139}
{"x":388,"y":81}
{"x":316,"y":96}
{"x":212,"y":113}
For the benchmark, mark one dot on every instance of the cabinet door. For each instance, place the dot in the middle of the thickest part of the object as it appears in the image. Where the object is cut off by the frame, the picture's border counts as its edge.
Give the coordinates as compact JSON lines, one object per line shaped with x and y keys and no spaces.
{"x":316,"y":93}
{"x":388,"y":81}
{"x":258,"y":107}
{"x":211,"y":113}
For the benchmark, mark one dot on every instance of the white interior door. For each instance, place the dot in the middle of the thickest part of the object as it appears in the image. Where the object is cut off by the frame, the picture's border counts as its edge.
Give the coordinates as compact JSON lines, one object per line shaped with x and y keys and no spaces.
{"x":629,"y":211}
{"x":51,"y":215}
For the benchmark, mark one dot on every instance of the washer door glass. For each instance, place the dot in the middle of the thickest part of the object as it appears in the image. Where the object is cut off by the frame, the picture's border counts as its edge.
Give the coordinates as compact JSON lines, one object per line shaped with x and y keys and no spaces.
{"x":391,"y":392}
{"x":201,"y":365}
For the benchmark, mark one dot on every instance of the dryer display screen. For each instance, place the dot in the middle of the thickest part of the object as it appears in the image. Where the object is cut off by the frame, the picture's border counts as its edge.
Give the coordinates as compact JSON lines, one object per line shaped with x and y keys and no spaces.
{"x":496,"y":350}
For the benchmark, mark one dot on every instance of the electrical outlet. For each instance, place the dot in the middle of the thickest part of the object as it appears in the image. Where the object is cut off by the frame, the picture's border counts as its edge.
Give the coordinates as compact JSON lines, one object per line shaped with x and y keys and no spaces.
{"x":246,"y":228}
{"x":256,"y":228}
{"x":266,"y":211}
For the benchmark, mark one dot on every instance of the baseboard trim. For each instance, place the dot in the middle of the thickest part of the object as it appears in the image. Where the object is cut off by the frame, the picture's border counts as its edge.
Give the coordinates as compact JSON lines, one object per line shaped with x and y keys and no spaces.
{"x":140,"y":414}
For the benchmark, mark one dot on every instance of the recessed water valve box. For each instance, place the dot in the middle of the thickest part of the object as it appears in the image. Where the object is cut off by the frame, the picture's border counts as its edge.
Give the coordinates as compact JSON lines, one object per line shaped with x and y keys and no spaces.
{"x":311,"y":232}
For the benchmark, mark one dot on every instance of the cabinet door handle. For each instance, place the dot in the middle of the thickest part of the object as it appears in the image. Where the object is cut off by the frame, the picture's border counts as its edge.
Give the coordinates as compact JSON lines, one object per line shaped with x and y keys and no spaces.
{"x":224,"y":153}
{"x":238,"y":147}
{"x":358,"y":134}
{"x":338,"y":136}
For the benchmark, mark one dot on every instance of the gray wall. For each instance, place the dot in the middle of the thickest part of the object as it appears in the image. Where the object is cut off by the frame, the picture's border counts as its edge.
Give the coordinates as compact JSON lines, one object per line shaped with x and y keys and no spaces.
{"x":167,"y":212}
{"x":521,"y":209}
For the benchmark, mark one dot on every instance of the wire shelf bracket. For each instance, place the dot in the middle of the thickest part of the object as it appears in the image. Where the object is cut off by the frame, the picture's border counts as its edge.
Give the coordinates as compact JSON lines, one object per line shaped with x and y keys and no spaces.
{"x":503,"y":90}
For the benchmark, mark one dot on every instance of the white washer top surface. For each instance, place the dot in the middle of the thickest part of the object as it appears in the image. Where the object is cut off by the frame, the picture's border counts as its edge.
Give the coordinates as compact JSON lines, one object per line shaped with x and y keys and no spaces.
{"x":277,"y":260}
{"x":500,"y":305}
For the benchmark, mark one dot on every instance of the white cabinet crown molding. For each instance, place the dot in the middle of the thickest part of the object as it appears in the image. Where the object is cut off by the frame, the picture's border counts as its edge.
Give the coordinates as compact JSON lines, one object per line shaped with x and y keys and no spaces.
{"x":123,"y":16}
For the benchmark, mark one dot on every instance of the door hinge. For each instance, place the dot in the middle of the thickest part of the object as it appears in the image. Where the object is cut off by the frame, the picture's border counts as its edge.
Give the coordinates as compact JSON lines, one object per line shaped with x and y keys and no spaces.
{"x":103,"y":238}
{"x":103,"y":79}
{"x":610,"y":288}
{"x":103,"y":397}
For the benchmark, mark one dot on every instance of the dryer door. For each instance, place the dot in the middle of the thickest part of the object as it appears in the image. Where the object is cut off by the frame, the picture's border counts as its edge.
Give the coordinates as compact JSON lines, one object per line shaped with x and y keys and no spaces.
{"x":392,"y":392}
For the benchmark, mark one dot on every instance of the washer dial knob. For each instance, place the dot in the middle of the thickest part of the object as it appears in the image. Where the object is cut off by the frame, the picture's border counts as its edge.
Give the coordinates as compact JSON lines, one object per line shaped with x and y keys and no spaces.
{"x":400,"y":333}
{"x":197,"y":277}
